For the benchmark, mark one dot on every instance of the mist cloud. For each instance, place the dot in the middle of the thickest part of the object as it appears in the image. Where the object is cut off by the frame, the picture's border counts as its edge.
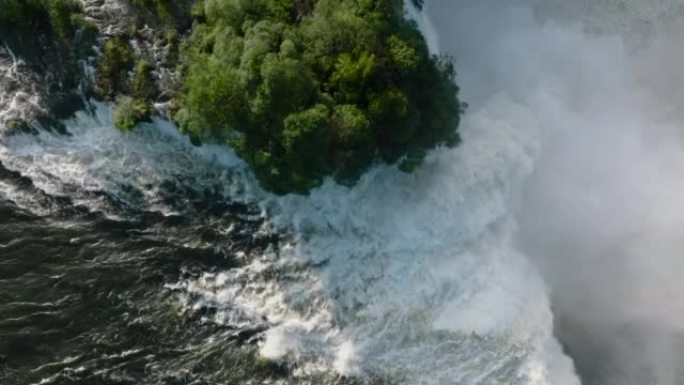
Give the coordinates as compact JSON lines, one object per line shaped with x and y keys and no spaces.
{"x":603,"y":214}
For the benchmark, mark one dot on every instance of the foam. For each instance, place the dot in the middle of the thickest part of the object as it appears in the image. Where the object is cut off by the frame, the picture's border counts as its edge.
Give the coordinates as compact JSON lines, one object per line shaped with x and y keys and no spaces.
{"x":417,"y":278}
{"x":95,"y":157}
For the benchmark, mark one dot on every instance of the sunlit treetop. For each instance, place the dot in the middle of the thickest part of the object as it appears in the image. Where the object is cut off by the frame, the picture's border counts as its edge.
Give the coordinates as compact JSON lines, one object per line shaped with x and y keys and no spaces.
{"x":305,"y":89}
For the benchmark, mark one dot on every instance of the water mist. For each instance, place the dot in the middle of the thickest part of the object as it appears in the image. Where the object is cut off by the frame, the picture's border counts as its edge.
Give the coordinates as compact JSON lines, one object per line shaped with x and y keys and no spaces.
{"x":602,"y":215}
{"x":546,"y":244}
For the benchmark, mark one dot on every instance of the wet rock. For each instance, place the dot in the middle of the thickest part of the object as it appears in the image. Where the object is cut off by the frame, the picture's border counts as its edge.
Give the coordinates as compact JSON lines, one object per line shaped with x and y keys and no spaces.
{"x":44,"y":81}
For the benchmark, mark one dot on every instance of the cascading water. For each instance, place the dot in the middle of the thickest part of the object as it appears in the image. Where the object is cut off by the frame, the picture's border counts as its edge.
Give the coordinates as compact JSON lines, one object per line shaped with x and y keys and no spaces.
{"x":14,"y":101}
{"x":437,"y":277}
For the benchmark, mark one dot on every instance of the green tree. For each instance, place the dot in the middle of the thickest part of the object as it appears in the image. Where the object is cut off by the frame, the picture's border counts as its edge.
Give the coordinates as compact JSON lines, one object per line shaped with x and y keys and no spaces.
{"x":304,"y":89}
{"x":305,"y":139}
{"x":351,"y":74}
{"x":404,"y":57}
{"x":61,"y":14}
{"x":128,"y":112}
{"x":143,"y":87}
{"x":117,"y":60}
{"x":216,"y":102}
{"x":286,"y":85}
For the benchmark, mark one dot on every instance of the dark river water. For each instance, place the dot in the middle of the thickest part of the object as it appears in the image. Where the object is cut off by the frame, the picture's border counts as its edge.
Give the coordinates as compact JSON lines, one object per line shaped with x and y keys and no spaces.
{"x":86,"y":272}
{"x":83,"y":297}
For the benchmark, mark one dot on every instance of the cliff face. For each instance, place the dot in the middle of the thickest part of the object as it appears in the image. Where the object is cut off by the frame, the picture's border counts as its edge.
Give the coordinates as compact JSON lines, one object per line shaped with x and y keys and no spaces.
{"x":45,"y":78}
{"x":39,"y":80}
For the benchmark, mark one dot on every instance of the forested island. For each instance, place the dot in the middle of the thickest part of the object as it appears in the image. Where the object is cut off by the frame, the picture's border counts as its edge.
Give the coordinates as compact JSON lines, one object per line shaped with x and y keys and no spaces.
{"x":300,"y":89}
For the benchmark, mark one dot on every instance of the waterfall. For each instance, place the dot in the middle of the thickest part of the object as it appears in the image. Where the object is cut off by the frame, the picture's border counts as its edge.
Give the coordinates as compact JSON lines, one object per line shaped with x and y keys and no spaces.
{"x":544,"y":250}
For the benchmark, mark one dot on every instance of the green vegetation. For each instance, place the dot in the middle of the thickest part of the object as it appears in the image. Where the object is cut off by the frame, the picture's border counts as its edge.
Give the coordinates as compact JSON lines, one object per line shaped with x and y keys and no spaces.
{"x":143,"y":91}
{"x":304,"y":89}
{"x":301,"y":89}
{"x":172,"y":15}
{"x":125,"y":77}
{"x":117,"y":60}
{"x":113,"y":80}
{"x":129,"y":112}
{"x":60,"y":17}
{"x":143,"y":88}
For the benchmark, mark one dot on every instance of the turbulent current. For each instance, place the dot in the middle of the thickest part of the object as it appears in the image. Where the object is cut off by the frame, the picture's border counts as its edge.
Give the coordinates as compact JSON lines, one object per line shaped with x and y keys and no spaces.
{"x":545,"y":250}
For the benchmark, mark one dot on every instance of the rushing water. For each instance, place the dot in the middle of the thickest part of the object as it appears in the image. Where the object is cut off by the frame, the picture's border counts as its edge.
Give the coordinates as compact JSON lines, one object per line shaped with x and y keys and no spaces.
{"x":141,"y":259}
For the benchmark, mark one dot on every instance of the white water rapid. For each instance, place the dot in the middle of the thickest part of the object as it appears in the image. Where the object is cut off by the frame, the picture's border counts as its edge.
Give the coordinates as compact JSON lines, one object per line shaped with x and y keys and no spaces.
{"x":559,"y":218}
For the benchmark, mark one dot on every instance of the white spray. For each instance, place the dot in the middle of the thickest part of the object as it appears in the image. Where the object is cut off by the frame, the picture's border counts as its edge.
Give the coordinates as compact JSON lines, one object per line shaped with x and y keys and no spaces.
{"x":419,"y":278}
{"x":603,"y":215}
{"x":416,"y":277}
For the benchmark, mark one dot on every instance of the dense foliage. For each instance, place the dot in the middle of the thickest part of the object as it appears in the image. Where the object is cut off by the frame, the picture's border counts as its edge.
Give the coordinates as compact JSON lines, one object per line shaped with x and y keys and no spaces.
{"x":125,"y":75}
{"x":114,"y":82}
{"x":60,"y":17}
{"x":303,"y":89}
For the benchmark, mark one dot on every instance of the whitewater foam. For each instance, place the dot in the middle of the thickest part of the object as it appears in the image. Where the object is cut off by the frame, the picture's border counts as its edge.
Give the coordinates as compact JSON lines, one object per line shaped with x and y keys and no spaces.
{"x":95,"y":157}
{"x":416,"y":278}
{"x":413,"y":278}
{"x":16,"y":103}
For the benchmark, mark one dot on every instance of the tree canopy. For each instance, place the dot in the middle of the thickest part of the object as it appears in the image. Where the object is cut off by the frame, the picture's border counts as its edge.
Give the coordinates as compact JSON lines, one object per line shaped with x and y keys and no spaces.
{"x":304,"y":89}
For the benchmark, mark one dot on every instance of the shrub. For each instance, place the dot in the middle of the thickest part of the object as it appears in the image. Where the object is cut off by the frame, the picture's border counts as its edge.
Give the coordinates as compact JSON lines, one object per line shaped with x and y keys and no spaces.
{"x":128,"y":112}
{"x":62,"y":17}
{"x":143,"y":87}
{"x":117,"y":60}
{"x":12,"y":13}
